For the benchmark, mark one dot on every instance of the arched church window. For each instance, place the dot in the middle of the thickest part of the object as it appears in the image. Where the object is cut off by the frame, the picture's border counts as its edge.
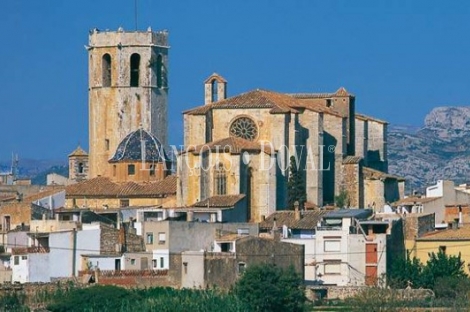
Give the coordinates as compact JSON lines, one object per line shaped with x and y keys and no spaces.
{"x":80,"y":167}
{"x":220,"y":180}
{"x":214,"y":91}
{"x":106,"y":70}
{"x":135,"y":68}
{"x":160,"y":71}
{"x":245,"y":128}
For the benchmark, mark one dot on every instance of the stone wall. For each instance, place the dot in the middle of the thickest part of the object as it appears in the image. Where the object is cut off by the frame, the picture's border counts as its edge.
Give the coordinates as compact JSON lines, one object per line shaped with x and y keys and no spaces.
{"x":354,"y":184}
{"x":111,"y":236}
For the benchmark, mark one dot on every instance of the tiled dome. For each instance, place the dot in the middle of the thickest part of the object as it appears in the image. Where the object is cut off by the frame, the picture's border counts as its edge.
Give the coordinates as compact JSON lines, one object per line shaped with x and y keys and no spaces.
{"x":130,"y":149}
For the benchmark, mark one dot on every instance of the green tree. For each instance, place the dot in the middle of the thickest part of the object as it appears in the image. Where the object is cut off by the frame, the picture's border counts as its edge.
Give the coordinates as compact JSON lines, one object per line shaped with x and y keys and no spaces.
{"x":342,"y":199}
{"x":270,"y":288}
{"x":295,"y":185}
{"x":405,"y":272}
{"x":441,"y":265}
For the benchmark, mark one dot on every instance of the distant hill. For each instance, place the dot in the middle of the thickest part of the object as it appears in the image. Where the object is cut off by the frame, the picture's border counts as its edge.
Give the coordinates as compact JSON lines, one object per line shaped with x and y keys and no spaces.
{"x":35,"y":169}
{"x":438,"y":150}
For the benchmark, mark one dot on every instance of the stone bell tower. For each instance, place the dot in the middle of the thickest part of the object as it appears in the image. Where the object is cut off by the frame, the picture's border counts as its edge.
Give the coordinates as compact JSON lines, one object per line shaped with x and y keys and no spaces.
{"x":128,"y":90}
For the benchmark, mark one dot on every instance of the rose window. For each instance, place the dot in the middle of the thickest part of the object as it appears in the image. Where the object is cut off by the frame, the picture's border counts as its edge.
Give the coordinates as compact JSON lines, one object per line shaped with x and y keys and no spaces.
{"x":244,"y":128}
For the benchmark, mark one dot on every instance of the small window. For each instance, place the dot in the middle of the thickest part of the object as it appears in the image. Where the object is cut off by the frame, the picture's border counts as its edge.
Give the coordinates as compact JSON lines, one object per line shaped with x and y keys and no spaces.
{"x":80,"y":167}
{"x":16,"y":260}
{"x":442,"y":249}
{"x":66,"y":218}
{"x":154,"y":263}
{"x":130,"y":169}
{"x":24,"y":257}
{"x":114,"y":170}
{"x":161,"y":238}
{"x":152,"y":169}
{"x":333,"y":267}
{"x":106,"y":143}
{"x":214,"y":90}
{"x":135,"y":68}
{"x":106,"y":68}
{"x":132,"y":261}
{"x":332,"y":245}
{"x":225,"y":247}
{"x":124,"y":202}
{"x":220,"y":180}
{"x":162,"y":262}
{"x":241,"y":267}
{"x":149,"y":239}
{"x":329,"y":102}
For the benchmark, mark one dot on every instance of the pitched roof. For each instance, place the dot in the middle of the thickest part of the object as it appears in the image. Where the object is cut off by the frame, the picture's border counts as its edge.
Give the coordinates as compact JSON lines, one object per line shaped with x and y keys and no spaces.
{"x":231,"y":145}
{"x":414,"y":200}
{"x":460,"y":234}
{"x":368,"y":118}
{"x":276,"y":102}
{"x":340,"y":92}
{"x":373,"y":174}
{"x":215,"y":76}
{"x":352,"y":159}
{"x":104,"y":187}
{"x":78,"y":152}
{"x":220,"y":201}
{"x":308,"y":220}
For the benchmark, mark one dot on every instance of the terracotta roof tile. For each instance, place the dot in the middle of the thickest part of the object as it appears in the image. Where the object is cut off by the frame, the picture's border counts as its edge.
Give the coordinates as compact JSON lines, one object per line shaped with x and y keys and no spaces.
{"x":79,"y":151}
{"x":276,"y":102}
{"x":373,"y":174}
{"x":364,"y":117}
{"x":414,"y":200}
{"x":102,"y":187}
{"x":462,"y":233}
{"x":220,"y":201}
{"x":231,"y":145}
{"x":308,"y":220}
{"x":352,"y":159}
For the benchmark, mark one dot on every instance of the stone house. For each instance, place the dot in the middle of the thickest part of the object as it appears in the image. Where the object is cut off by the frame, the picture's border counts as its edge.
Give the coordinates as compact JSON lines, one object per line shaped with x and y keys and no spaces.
{"x":223,"y":266}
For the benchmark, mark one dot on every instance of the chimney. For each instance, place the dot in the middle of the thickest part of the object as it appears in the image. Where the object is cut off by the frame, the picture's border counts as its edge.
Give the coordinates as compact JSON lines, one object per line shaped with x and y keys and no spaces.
{"x":274,"y":230}
{"x":190,"y":216}
{"x":296,"y":211}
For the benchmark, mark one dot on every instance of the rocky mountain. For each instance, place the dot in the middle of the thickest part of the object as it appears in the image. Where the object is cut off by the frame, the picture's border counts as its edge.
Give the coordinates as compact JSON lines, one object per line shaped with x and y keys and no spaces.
{"x":439,"y":150}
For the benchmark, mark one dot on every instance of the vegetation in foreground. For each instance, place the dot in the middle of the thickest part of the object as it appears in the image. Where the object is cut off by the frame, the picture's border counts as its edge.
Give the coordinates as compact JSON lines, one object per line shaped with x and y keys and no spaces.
{"x":261,"y":288}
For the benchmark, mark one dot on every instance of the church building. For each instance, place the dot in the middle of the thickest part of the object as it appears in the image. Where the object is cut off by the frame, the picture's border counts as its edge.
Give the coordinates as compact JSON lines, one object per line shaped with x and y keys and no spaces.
{"x":243,"y":145}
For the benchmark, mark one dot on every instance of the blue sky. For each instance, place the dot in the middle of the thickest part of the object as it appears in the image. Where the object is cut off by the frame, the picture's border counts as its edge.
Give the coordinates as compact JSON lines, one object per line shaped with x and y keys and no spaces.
{"x":400,"y":58}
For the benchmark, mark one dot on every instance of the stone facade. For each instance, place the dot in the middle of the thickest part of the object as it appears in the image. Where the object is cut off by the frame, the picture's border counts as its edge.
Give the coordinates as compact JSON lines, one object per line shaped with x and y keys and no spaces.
{"x":319,"y":129}
{"x":128,"y":90}
{"x":78,"y":165}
